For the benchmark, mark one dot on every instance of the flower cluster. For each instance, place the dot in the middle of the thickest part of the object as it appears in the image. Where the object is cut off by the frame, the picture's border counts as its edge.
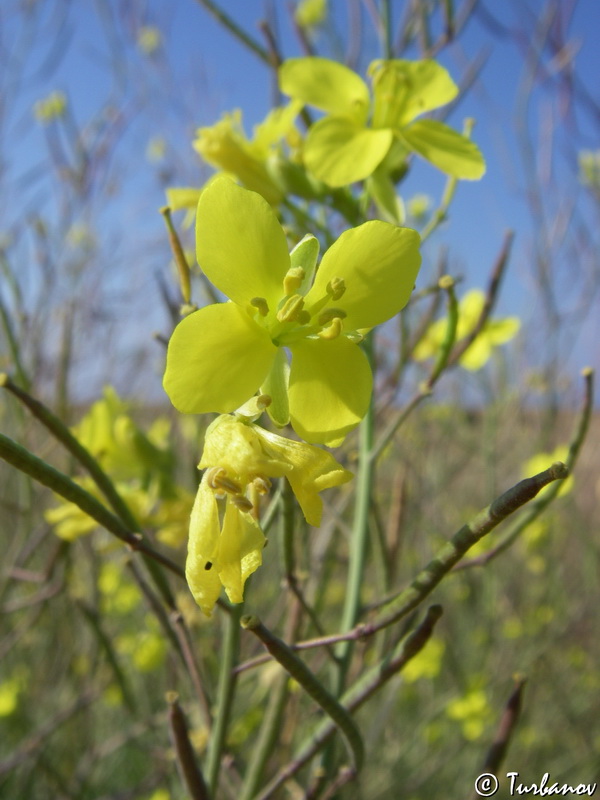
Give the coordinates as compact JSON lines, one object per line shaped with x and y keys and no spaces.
{"x":141,"y":466}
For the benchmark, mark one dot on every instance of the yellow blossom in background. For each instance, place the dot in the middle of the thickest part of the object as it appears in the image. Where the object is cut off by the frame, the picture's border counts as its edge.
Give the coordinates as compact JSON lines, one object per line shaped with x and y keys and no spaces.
{"x":149,"y":39}
{"x":427,"y":663}
{"x":226,"y":147}
{"x":140,"y":464}
{"x":156,"y":148}
{"x":473,"y":712}
{"x":310,"y":13}
{"x":9,"y":696}
{"x":240,"y":459}
{"x":50,"y":108}
{"x":589,"y":168}
{"x":184,"y":198}
{"x":495,"y":332}
{"x":119,"y":594}
{"x":541,"y":461}
{"x":419,"y":207}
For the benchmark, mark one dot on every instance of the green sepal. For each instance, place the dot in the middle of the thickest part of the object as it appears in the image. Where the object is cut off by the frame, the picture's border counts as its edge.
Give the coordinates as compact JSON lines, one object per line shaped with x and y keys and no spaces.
{"x":276,"y":387}
{"x":383,"y":193}
{"x":305,"y":255}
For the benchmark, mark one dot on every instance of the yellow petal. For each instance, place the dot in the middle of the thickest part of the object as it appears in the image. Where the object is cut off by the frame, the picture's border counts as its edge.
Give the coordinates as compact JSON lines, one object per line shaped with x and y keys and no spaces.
{"x":240,"y":551}
{"x":326,"y":84}
{"x":340,"y":150}
{"x":217,"y":358}
{"x":309,"y":470}
{"x":379,"y":263}
{"x":231,"y":444}
{"x":404,"y":90}
{"x":330,"y":388}
{"x":240,"y":245}
{"x":200,"y":570}
{"x":445,"y":148}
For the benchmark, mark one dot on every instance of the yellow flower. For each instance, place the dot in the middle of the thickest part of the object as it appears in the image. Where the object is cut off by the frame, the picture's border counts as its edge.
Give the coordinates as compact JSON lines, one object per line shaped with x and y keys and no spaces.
{"x":361,"y":129}
{"x":542,"y":461}
{"x":221,"y":355}
{"x":225,"y":146}
{"x":495,"y":332}
{"x":50,"y":108}
{"x":240,"y":458}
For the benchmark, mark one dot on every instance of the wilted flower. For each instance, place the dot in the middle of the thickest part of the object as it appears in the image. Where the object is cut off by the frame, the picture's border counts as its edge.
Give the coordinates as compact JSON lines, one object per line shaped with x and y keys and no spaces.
{"x":240,"y":458}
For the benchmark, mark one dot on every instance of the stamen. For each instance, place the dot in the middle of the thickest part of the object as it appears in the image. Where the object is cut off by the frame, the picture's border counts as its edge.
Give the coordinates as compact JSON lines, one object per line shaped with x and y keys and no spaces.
{"x":330,"y":313}
{"x":336,"y":288}
{"x":261,"y":304}
{"x":333,"y":330}
{"x":293,"y":280}
{"x":218,"y":480}
{"x":242,"y":503}
{"x":212,"y":474}
{"x":262,"y":484}
{"x":303,"y":317}
{"x":291,"y":309}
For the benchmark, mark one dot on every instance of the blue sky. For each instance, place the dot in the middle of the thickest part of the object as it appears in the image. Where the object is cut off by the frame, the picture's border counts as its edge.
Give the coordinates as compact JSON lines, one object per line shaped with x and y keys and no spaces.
{"x":201,"y":71}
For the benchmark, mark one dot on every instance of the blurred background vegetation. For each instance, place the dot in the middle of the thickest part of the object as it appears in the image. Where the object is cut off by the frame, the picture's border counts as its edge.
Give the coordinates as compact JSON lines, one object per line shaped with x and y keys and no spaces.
{"x":87,"y":299}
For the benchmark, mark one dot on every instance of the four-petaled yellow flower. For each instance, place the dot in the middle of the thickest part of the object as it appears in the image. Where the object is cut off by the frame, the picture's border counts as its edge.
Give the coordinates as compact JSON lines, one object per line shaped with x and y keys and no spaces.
{"x":358,"y":133}
{"x":494,"y":333}
{"x":221,"y":355}
{"x":240,"y":458}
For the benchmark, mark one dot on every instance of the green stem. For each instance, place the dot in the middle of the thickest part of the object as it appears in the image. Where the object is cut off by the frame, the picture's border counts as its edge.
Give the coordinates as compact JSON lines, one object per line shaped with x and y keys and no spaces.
{"x":359,"y":537}
{"x":301,"y":673}
{"x":106,"y":644}
{"x":62,"y":433}
{"x":386,"y":29}
{"x":225,"y":695}
{"x":227,"y":22}
{"x":186,"y":758}
{"x":361,"y":691}
{"x":449,"y":555}
{"x":266,"y":743}
{"x":288,"y":508}
{"x":43,"y":473}
{"x":541,"y":504}
{"x":13,"y":346}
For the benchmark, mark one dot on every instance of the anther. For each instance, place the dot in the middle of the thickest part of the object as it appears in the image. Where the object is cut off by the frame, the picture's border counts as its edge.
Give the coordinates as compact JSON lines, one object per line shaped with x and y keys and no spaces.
{"x":291,"y":309}
{"x":329,"y":314}
{"x":261,"y":305}
{"x":333,"y":330}
{"x":293,"y":280}
{"x":262,"y":484}
{"x":242,"y":503}
{"x":212,"y":474}
{"x":220,"y":482}
{"x":336,"y":288}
